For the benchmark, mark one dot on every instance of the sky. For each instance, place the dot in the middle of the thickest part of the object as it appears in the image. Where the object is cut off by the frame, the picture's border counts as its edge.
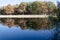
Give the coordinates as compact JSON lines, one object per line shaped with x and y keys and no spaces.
{"x":13,"y":2}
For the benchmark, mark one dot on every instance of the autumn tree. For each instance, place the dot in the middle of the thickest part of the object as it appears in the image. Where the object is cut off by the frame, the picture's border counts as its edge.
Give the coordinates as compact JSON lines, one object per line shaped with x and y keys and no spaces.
{"x":43,"y":8}
{"x":9,"y":9}
{"x":36,"y":7}
{"x":22,"y":8}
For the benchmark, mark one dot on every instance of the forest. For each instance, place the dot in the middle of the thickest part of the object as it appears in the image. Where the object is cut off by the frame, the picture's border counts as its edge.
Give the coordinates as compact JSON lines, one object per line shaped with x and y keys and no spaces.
{"x":30,"y":8}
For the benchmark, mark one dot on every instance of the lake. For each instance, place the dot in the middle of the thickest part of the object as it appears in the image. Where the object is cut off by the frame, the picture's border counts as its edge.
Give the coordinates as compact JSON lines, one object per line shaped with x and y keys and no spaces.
{"x":15,"y":30}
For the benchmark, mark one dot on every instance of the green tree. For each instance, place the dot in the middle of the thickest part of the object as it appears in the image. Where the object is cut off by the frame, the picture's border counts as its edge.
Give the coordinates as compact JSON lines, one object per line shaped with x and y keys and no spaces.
{"x":3,"y":12}
{"x":33,"y":8}
{"x":58,"y":13}
{"x":51,"y":6}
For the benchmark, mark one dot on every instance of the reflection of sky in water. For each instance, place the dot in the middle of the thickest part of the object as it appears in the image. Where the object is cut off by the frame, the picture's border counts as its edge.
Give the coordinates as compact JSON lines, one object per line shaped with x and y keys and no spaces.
{"x":17,"y":33}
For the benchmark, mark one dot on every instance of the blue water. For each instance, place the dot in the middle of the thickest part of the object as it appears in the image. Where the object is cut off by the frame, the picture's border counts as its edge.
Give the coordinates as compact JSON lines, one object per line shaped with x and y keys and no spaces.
{"x":16,"y":33}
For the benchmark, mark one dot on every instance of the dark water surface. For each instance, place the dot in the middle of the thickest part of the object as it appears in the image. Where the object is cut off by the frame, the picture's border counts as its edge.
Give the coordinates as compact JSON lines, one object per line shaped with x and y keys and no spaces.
{"x":19,"y":32}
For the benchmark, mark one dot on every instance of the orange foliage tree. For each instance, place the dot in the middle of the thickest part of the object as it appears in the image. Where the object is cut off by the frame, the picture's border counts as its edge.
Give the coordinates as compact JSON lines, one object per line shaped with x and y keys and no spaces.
{"x":9,"y":9}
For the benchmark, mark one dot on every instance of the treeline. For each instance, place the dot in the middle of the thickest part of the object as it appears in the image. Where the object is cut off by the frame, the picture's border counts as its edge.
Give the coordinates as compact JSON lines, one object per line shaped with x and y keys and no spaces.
{"x":36,"y":7}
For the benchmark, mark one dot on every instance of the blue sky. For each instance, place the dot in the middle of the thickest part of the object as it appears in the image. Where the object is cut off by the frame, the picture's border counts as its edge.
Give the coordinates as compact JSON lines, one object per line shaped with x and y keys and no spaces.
{"x":12,"y":2}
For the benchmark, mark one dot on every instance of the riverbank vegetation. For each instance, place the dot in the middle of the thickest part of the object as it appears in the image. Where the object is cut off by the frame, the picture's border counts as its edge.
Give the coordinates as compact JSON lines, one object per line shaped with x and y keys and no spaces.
{"x":32,"y":8}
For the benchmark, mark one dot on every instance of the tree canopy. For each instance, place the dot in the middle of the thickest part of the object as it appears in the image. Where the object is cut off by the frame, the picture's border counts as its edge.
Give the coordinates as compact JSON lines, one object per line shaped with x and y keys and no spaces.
{"x":9,"y":9}
{"x":36,"y":7}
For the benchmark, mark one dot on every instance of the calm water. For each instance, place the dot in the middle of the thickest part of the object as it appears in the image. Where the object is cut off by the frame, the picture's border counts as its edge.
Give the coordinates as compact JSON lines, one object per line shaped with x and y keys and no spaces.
{"x":14,"y":32}
{"x":18,"y":33}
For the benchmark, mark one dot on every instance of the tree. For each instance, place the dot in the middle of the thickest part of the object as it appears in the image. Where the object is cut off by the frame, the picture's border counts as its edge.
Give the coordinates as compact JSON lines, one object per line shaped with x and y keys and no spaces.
{"x":29,"y":8}
{"x":33,"y":8}
{"x":37,"y":8}
{"x":43,"y":8}
{"x":58,"y":13}
{"x":9,"y":9}
{"x":9,"y":22}
{"x":22,"y":8}
{"x":58,"y":6}
{"x":3,"y":10}
{"x":51,"y":6}
{"x":15,"y":6}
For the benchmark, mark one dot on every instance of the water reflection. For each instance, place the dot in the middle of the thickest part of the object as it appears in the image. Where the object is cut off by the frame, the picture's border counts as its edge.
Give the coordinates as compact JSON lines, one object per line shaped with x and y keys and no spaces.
{"x":28,"y":23}
{"x":31,"y":28}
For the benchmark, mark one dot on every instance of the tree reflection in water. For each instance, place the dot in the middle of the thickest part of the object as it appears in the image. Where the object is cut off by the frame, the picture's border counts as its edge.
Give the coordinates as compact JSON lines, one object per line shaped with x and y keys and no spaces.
{"x":35,"y":24}
{"x":28,"y":23}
